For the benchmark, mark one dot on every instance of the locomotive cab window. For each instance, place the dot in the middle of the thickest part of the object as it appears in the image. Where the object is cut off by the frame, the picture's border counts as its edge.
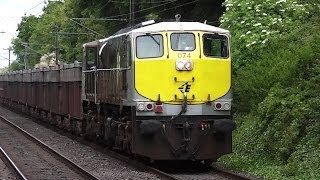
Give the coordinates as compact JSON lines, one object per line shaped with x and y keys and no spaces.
{"x":91,"y":57}
{"x":149,"y":46}
{"x":182,"y":42}
{"x":215,"y":45}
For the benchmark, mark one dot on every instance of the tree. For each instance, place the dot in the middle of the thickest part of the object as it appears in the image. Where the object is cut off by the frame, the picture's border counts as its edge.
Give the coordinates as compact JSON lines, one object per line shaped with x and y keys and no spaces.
{"x":26,"y":29}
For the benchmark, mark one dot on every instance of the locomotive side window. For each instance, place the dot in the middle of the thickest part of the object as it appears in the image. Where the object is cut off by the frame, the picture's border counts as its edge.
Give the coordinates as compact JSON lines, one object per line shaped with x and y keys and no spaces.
{"x":91,"y":57}
{"x":149,"y":46}
{"x":108,"y":55}
{"x":182,"y":42}
{"x":116,"y":53}
{"x":215,"y":45}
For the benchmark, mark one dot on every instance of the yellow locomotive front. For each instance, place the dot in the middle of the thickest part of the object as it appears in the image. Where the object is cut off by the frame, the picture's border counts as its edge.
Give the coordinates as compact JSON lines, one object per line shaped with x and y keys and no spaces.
{"x":182,"y":81}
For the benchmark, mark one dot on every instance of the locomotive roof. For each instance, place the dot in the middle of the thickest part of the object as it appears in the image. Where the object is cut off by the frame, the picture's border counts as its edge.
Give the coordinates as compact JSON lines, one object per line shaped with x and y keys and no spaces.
{"x":164,"y":26}
{"x":180,"y":26}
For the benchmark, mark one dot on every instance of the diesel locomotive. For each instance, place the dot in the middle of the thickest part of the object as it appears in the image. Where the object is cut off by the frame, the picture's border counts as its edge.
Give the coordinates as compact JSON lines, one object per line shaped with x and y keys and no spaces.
{"x":156,"y":90}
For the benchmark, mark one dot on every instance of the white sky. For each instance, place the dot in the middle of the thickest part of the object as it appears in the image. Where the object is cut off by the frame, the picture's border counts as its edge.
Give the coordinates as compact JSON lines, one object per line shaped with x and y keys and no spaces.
{"x":11,"y":12}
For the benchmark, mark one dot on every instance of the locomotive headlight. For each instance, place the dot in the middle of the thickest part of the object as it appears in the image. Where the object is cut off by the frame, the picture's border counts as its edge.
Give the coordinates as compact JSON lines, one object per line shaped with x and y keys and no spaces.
{"x":141,"y":106}
{"x":188,"y":65}
{"x":184,"y":65}
{"x":180,"y":65}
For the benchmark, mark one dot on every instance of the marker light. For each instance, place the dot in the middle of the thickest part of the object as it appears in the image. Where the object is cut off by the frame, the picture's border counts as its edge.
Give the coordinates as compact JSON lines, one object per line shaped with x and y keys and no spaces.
{"x":149,"y":107}
{"x":140,"y":106}
{"x":218,"y":105}
{"x":158,"y":108}
{"x":144,"y":106}
{"x":226,"y":106}
{"x":222,"y":105}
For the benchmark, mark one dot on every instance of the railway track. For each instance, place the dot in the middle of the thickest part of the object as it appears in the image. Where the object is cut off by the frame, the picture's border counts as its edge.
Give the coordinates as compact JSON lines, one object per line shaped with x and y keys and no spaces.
{"x":7,"y":160}
{"x":135,"y":163}
{"x":198,"y":171}
{"x":126,"y":159}
{"x":213,"y":173}
{"x":233,"y":175}
{"x":33,"y":159}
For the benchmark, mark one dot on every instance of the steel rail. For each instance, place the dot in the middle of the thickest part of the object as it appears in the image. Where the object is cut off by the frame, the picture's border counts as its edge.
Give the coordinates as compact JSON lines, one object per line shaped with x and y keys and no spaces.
{"x":45,"y":147}
{"x":214,"y":172}
{"x":233,"y":175}
{"x":7,"y":160}
{"x":166,"y":175}
{"x":136,"y":163}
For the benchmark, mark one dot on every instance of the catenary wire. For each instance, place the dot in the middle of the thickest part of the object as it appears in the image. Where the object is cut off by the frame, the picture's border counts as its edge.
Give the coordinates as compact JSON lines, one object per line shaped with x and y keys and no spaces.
{"x":141,"y":10}
{"x":155,"y":2}
{"x":35,"y":6}
{"x":141,"y":17}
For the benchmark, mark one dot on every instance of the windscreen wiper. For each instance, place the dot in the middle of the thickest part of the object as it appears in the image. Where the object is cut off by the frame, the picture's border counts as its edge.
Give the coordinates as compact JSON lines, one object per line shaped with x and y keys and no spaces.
{"x":154,"y":39}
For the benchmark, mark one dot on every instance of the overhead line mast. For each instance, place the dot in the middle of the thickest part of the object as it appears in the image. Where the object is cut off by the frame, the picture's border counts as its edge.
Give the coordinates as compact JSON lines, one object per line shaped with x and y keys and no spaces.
{"x":9,"y":49}
{"x":131,"y":12}
{"x":56,"y":43}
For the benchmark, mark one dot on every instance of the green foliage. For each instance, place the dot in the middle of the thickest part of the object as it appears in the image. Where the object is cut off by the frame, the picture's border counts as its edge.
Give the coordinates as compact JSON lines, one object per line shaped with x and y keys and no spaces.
{"x":35,"y":36}
{"x":253,"y":23}
{"x":26,"y":28}
{"x":276,"y":91}
{"x":257,"y":20}
{"x":15,"y":66}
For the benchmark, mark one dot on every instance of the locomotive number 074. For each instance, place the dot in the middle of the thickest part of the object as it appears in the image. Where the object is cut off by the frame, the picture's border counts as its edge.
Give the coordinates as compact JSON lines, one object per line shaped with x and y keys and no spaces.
{"x":184,"y":55}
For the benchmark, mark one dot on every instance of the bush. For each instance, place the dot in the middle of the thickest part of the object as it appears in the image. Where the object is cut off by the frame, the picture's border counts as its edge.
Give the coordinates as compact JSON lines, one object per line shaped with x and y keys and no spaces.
{"x":277,"y":107}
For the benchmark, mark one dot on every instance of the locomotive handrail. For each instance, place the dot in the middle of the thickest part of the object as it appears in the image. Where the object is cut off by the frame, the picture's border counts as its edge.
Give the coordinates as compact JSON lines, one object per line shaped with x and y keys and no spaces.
{"x":106,"y":69}
{"x":113,"y":69}
{"x":89,"y":71}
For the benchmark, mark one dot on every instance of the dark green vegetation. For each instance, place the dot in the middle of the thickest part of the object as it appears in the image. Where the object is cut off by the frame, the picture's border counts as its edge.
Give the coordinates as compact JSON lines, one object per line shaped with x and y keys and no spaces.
{"x":276,"y":70}
{"x":39,"y":32}
{"x":276,"y":89}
